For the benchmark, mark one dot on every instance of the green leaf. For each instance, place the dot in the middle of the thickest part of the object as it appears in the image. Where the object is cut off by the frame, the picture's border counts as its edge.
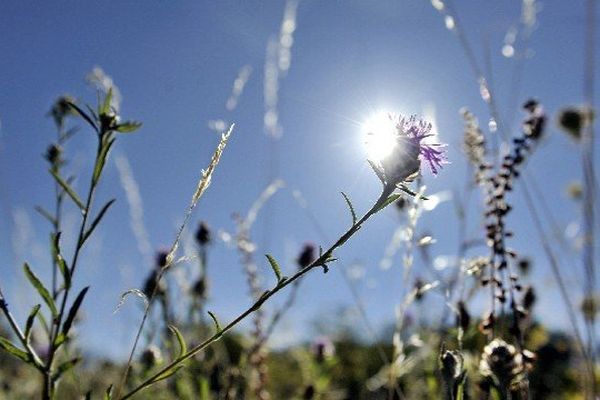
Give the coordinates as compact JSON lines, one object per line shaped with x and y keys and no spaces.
{"x":67,"y":188}
{"x":216,"y":321}
{"x":275,"y":266}
{"x":204,"y":388}
{"x":392,"y":198}
{"x":64,"y":367}
{"x":46,"y":214}
{"x":73,"y":311}
{"x":167,"y":374}
{"x":60,"y":261}
{"x":101,"y":159}
{"x":30,"y":320}
{"x":180,"y":339}
{"x":60,"y":339}
{"x":84,"y":116}
{"x":37,"y":284}
{"x":105,"y":107}
{"x":128,"y":127}
{"x":40,"y":317}
{"x":406,"y":190}
{"x":97,"y":220}
{"x":108,"y":395}
{"x":7,"y":346}
{"x":351,"y":208}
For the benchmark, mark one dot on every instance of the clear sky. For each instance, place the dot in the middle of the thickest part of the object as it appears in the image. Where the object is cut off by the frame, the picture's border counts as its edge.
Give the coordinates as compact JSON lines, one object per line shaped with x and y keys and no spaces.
{"x":175,"y":63}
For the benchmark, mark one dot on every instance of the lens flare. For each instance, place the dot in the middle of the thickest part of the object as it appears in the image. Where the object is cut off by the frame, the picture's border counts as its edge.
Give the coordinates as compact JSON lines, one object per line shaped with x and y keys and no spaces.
{"x":380,"y":136}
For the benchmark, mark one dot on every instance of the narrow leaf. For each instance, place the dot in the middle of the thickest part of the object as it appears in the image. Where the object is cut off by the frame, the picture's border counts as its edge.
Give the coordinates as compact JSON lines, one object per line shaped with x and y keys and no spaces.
{"x":216,"y":321}
{"x":37,"y":284}
{"x":46,"y":214}
{"x":73,"y":311}
{"x":275,"y":266}
{"x":167,"y":374}
{"x":97,"y":220}
{"x":84,"y":116}
{"x":351,"y":208}
{"x":392,"y":198}
{"x":406,"y":190}
{"x":60,"y":261}
{"x":105,"y":108}
{"x":128,"y":127}
{"x":180,"y":339}
{"x":108,"y":395}
{"x":67,"y":188}
{"x":30,"y":320}
{"x":7,"y":346}
{"x":101,"y":160}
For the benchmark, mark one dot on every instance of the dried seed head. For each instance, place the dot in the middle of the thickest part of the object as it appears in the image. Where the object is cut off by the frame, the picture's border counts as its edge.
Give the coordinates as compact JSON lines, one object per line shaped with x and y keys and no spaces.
{"x":574,"y":119}
{"x":306,"y":256}
{"x":322,"y":349}
{"x":487,"y":324}
{"x":589,"y":307}
{"x":54,"y":155}
{"x":62,"y":109}
{"x":575,"y":190}
{"x":203,"y":234}
{"x":529,"y":298}
{"x":161,"y":258}
{"x":501,"y":362}
{"x":200,"y":288}
{"x":451,"y":366}
{"x":524,"y":265}
{"x":535,"y":122}
{"x":463,"y":319}
{"x":151,"y":357}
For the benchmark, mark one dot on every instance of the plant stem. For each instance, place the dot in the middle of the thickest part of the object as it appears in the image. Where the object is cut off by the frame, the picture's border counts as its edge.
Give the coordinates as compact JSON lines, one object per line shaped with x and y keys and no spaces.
{"x":320,"y":261}
{"x":49,"y":385}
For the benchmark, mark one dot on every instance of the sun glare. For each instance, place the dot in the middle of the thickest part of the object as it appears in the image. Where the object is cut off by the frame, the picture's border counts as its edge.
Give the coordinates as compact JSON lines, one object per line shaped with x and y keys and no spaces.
{"x":380,"y":136}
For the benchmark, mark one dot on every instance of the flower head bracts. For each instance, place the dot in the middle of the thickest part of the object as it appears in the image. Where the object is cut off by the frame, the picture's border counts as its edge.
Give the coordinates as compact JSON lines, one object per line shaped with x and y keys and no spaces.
{"x":403,"y":138}
{"x":416,"y":131}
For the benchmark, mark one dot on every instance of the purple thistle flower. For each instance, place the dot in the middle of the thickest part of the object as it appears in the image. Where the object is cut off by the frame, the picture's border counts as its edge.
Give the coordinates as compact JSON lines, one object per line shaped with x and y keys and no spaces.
{"x":416,"y":131}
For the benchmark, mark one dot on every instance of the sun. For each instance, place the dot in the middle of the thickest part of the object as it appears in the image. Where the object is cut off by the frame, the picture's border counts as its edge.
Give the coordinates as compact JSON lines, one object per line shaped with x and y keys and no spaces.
{"x":380,"y":136}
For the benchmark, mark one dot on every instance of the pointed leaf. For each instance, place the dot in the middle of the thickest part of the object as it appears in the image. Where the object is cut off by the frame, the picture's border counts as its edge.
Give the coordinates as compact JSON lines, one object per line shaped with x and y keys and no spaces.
{"x":392,"y":198}
{"x":7,"y":346}
{"x":97,"y":220}
{"x":73,"y":311}
{"x":128,"y":127}
{"x":30,"y":320}
{"x":67,"y":188}
{"x":406,"y":190}
{"x":180,"y":339}
{"x":108,"y":395}
{"x":216,"y":321}
{"x":101,"y":160}
{"x":84,"y":116}
{"x":351,"y":208}
{"x":275,"y":266}
{"x":105,"y":108}
{"x":46,"y":214}
{"x":37,"y":284}
{"x":60,"y":261}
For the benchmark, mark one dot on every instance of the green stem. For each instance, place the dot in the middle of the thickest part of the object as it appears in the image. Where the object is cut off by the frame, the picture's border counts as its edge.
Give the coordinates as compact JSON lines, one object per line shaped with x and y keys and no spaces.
{"x":267,"y":295}
{"x":49,"y":384}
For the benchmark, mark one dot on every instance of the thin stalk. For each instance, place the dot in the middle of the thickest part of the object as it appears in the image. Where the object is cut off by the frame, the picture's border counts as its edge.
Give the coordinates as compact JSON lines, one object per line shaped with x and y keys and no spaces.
{"x":320,"y":261}
{"x":49,"y":385}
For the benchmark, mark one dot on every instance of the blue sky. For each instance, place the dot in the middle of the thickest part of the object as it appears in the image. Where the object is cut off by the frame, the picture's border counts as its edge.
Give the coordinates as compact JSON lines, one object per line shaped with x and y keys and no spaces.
{"x":175,"y":63}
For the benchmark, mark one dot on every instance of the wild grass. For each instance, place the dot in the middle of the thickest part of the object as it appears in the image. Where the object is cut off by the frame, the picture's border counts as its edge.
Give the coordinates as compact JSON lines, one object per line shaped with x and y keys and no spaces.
{"x":181,"y":350}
